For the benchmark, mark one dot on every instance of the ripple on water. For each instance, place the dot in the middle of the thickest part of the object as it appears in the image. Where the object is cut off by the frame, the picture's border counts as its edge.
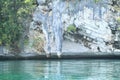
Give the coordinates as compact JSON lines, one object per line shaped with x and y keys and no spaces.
{"x":60,"y":70}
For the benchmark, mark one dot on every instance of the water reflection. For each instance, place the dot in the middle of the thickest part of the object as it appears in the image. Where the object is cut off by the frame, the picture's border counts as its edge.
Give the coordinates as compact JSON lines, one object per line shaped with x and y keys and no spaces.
{"x":60,"y":70}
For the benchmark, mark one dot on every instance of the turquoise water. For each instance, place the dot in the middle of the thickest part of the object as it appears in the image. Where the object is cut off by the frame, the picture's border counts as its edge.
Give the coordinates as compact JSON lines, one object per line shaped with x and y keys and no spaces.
{"x":60,"y":70}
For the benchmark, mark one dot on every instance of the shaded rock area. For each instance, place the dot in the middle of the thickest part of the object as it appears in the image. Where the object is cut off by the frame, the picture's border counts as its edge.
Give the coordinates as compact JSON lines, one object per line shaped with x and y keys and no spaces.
{"x":68,"y":55}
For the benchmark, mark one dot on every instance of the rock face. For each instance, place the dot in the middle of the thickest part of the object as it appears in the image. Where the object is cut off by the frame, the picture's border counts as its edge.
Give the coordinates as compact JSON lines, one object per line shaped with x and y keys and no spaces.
{"x":89,"y":25}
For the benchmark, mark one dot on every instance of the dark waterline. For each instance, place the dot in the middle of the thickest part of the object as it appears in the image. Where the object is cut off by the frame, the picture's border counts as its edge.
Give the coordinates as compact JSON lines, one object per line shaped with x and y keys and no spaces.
{"x":67,"y":55}
{"x":60,"y":70}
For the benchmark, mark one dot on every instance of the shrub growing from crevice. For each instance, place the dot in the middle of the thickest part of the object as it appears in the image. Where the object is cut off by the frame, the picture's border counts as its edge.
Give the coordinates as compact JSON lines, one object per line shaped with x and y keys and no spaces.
{"x":71,"y":28}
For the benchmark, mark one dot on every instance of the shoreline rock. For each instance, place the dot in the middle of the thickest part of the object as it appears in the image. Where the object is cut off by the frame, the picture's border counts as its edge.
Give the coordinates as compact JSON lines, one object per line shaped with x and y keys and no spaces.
{"x":82,"y":55}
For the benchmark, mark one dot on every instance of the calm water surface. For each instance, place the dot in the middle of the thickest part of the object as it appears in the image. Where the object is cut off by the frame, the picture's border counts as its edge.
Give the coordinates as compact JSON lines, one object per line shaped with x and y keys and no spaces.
{"x":60,"y":70}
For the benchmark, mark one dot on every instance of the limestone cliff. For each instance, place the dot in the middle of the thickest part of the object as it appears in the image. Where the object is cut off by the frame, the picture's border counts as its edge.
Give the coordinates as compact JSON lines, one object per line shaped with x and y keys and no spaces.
{"x":76,"y":25}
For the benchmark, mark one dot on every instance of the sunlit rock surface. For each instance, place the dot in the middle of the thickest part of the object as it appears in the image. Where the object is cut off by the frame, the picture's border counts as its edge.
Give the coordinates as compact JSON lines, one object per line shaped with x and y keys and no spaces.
{"x":93,"y":23}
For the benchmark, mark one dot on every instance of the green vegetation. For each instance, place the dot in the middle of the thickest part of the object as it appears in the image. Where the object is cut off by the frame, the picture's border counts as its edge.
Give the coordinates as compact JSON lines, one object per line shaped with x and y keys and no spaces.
{"x":38,"y":44}
{"x":116,"y":8}
{"x":71,"y":28}
{"x":118,"y":28}
{"x":96,"y":1}
{"x":13,"y":13}
{"x":118,"y":19}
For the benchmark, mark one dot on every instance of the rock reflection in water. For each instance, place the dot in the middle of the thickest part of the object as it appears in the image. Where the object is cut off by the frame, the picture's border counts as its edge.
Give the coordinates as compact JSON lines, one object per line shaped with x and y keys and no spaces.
{"x":60,"y":70}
